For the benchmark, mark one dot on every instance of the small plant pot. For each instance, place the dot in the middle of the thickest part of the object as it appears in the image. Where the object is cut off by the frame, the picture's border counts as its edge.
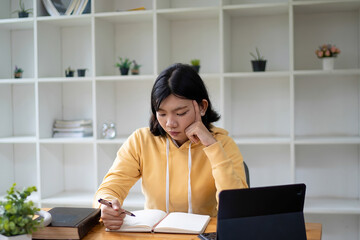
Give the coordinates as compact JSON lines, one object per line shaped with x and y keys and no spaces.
{"x":81,"y":72}
{"x":17,"y":237}
{"x":69,"y":74}
{"x":135,"y":71}
{"x":18,"y":75}
{"x":124,"y":71}
{"x":259,"y":66}
{"x":328,"y":63}
{"x":23,"y":14}
{"x":196,"y":68}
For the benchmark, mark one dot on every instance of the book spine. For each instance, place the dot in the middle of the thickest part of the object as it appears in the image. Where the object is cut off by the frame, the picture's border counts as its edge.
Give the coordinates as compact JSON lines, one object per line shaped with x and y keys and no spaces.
{"x":88,"y":223}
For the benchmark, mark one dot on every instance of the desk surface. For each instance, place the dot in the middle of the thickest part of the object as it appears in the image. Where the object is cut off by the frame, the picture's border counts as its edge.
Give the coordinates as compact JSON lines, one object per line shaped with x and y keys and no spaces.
{"x":313,"y":232}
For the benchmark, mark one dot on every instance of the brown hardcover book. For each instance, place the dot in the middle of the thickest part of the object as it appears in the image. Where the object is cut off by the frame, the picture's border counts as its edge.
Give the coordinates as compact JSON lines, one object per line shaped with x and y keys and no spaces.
{"x":69,"y":223}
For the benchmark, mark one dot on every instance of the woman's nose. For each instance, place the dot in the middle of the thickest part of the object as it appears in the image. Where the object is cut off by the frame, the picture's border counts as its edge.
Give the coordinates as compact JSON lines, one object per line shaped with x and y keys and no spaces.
{"x":171,"y":123}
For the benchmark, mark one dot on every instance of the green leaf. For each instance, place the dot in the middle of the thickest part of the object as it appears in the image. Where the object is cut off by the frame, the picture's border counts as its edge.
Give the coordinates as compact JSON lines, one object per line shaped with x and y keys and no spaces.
{"x":17,"y":213}
{"x":6,"y":227}
{"x":12,"y":226}
{"x":8,"y":206}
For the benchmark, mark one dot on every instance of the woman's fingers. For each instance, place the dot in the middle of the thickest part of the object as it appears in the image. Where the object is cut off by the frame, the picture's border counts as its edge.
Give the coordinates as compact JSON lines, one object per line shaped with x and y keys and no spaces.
{"x":116,"y":204}
{"x":112,"y":222}
{"x":197,"y":111}
{"x":112,"y":217}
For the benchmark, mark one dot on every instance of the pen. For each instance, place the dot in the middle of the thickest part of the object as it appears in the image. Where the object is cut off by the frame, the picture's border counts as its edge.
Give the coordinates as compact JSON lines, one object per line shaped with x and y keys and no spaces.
{"x":109,"y":204}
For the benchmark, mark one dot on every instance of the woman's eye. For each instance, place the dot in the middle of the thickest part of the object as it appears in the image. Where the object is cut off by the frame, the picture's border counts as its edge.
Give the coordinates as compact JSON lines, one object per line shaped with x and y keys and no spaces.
{"x":161,"y":114}
{"x":182,"y":114}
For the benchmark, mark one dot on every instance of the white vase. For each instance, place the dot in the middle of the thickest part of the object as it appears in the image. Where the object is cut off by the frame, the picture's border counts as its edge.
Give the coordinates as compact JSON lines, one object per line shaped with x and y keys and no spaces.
{"x":328,"y":63}
{"x":18,"y":237}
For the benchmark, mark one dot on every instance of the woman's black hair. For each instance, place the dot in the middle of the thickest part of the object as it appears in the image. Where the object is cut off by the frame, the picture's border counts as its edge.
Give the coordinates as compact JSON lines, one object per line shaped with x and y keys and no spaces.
{"x":182,"y":81}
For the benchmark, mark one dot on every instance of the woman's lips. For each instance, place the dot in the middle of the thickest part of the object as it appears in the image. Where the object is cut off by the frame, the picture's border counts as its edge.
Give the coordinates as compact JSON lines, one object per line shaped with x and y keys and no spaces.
{"x":172,"y":133}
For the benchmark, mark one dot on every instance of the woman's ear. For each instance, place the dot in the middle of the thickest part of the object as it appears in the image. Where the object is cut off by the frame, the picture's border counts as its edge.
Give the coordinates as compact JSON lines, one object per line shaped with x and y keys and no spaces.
{"x":203,"y":107}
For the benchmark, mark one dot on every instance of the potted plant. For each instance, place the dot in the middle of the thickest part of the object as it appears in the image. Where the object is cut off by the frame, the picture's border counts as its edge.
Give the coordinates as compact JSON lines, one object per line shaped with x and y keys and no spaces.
{"x":195,"y":63}
{"x":69,"y":72}
{"x":81,"y":72}
{"x":258,"y":64}
{"x":17,"y":215}
{"x":327,"y":53}
{"x":18,"y":72}
{"x":135,"y":70}
{"x":23,"y":13}
{"x":123,"y":65}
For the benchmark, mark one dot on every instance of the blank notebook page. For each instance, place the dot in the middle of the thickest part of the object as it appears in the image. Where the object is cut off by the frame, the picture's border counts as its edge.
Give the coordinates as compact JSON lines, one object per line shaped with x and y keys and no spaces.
{"x":190,"y":222}
{"x":143,"y":218}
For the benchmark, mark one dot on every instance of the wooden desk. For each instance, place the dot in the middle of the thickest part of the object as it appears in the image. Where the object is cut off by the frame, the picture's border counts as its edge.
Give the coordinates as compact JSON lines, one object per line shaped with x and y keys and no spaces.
{"x":313,"y":232}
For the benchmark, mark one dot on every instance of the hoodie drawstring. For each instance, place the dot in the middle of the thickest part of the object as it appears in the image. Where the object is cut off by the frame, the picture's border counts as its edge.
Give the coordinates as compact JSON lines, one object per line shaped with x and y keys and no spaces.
{"x":168,"y":181}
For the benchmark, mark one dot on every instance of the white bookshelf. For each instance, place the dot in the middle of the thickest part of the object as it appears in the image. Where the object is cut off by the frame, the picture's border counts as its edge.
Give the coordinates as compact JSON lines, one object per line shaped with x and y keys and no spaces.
{"x":293,"y":123}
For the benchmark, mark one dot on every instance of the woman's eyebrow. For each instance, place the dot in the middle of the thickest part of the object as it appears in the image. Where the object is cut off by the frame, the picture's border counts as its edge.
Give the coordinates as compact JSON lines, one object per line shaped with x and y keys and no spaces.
{"x":174,"y":110}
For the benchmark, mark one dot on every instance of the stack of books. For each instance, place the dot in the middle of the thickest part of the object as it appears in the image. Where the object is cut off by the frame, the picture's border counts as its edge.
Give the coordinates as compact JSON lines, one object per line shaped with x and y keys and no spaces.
{"x":72,"y":128}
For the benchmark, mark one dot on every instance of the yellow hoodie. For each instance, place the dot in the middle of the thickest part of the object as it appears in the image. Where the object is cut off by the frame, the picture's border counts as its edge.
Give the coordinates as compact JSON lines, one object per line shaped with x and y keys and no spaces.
{"x":213,"y":168}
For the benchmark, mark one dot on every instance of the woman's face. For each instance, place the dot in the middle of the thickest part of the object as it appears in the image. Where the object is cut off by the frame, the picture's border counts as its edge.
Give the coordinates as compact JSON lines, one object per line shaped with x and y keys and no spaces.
{"x":175,"y":115}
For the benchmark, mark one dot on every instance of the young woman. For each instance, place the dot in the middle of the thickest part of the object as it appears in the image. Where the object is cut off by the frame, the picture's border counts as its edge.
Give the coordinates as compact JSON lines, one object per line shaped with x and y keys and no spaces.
{"x":183,"y":160}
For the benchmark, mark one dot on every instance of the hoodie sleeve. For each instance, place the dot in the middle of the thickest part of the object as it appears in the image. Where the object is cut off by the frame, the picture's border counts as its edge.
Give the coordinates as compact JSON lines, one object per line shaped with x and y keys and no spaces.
{"x":123,"y":174}
{"x":227,"y":165}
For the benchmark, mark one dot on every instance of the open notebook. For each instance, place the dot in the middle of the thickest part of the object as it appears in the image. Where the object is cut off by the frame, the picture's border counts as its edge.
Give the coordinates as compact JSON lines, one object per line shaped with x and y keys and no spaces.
{"x":153,"y":220}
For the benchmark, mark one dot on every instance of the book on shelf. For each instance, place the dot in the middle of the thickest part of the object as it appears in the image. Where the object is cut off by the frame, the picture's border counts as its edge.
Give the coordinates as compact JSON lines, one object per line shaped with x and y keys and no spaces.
{"x":72,"y":128}
{"x":69,"y":223}
{"x":72,"y":123}
{"x":85,"y":129}
{"x":71,"y":135}
{"x":153,"y":220}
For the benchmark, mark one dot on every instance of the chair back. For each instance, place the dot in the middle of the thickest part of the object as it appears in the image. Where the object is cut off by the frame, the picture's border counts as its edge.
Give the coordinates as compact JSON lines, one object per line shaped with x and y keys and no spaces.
{"x":247,"y":174}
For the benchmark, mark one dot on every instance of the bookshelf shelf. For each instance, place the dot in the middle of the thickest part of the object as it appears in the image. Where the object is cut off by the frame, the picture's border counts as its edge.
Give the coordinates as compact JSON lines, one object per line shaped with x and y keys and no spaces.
{"x":69,"y":199}
{"x":332,"y":206}
{"x":336,"y":72}
{"x":64,"y":79}
{"x":257,"y":9}
{"x":33,"y":197}
{"x":67,"y":140}
{"x":126,"y":78}
{"x":189,"y":5}
{"x":24,"y":139}
{"x":328,"y":140}
{"x":126,"y":17}
{"x":262,"y":141}
{"x":293,"y":123}
{"x":17,"y":81}
{"x":189,"y":13}
{"x":266,"y":74}
{"x":325,"y":6}
{"x":17,"y":24}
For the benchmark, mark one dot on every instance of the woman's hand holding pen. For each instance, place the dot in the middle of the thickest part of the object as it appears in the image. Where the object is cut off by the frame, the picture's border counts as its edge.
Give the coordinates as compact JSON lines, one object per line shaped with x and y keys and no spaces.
{"x":112,"y":216}
{"x":197,"y":131}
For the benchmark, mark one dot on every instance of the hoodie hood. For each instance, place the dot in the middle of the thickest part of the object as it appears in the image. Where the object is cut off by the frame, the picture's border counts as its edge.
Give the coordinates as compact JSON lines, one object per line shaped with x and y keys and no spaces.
{"x":218,"y":131}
